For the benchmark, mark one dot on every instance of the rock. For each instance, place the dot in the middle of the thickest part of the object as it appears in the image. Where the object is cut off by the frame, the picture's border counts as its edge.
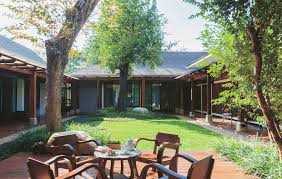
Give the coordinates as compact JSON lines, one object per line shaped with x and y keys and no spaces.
{"x":85,"y":149}
{"x":140,"y":109}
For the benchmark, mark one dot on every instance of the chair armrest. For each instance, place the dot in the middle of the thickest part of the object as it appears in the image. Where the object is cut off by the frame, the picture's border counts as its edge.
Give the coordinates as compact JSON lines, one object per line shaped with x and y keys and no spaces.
{"x":68,"y":160}
{"x":87,"y":141}
{"x":170,"y":145}
{"x":65,"y":149}
{"x":173,"y":161}
{"x":136,"y":141}
{"x":162,"y":169}
{"x":101,"y":174}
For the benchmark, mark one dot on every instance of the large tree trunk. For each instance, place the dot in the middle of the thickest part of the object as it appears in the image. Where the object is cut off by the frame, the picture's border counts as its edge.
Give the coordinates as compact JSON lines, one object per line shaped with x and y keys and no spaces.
{"x":56,"y":62}
{"x":122,"y":98}
{"x":57,"y":50}
{"x":271,"y":123}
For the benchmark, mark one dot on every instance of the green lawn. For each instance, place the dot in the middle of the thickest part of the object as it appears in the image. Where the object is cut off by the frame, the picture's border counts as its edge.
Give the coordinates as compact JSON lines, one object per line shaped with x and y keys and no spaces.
{"x":120,"y":128}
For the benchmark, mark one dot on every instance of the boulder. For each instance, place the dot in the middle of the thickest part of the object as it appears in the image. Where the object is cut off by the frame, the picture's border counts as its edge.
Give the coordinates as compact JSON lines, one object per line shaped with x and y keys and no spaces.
{"x":85,"y":149}
{"x":140,"y":109}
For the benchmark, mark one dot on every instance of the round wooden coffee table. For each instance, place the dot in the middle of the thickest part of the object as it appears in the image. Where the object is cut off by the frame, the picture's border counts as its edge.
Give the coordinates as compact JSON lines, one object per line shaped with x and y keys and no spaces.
{"x":130,"y":157}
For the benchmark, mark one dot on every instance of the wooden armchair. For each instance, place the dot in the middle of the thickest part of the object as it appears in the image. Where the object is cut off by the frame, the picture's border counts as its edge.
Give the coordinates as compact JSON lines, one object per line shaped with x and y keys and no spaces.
{"x":70,"y":145}
{"x":42,"y":170}
{"x":161,"y":142}
{"x":200,"y":169}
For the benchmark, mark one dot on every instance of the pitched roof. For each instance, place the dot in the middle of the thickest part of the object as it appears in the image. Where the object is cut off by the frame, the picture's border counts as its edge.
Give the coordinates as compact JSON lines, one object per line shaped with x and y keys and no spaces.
{"x":174,"y":64}
{"x":199,"y":64}
{"x":13,"y":49}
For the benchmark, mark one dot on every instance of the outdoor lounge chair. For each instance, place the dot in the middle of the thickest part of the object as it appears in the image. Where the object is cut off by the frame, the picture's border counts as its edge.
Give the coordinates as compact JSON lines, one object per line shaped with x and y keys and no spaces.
{"x":42,"y":170}
{"x":69,"y":145}
{"x":200,"y":169}
{"x":162,"y":141}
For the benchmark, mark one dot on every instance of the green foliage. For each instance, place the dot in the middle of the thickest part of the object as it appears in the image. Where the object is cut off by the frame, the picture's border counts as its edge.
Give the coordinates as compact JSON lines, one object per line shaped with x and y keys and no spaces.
{"x":128,"y":32}
{"x":227,"y":40}
{"x":75,"y":61}
{"x":103,"y":135}
{"x":253,"y":156}
{"x":24,"y":143}
{"x":111,"y":113}
{"x":36,"y":20}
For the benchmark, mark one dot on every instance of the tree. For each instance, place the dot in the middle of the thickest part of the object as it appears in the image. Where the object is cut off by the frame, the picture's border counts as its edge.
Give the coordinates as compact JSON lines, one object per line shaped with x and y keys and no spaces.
{"x":75,"y":61}
{"x":128,"y":32}
{"x":58,"y":21}
{"x":254,"y":29}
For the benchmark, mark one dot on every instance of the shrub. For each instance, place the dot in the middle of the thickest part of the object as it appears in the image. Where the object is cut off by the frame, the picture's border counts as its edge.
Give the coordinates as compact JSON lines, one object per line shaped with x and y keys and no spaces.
{"x":101,"y":134}
{"x":24,"y":143}
{"x":254,"y":156}
{"x":129,"y":114}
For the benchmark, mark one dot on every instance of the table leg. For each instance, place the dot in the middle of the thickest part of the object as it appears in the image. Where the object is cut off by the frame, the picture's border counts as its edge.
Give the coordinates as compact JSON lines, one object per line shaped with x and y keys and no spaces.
{"x":121,"y":167}
{"x":133,"y":168}
{"x":112,"y":169}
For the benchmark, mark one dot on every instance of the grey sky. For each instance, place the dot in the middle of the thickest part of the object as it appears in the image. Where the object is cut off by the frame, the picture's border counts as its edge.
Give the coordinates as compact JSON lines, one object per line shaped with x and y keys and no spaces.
{"x":179,"y":28}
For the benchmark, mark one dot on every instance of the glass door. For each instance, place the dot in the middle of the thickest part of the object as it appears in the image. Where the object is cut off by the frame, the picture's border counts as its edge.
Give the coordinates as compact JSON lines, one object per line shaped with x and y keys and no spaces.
{"x":156,"y":105}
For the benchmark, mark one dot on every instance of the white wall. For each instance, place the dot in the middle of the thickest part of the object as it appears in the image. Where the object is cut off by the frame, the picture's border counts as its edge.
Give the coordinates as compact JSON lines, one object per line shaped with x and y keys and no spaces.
{"x":20,"y":95}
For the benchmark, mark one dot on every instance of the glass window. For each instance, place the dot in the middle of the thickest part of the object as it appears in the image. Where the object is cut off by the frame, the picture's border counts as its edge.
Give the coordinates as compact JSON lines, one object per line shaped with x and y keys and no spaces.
{"x":156,"y":96}
{"x":135,"y":97}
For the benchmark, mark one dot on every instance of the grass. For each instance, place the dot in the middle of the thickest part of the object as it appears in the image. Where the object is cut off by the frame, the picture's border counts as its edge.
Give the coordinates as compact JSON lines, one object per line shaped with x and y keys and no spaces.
{"x":253,"y":156}
{"x":110,"y":125}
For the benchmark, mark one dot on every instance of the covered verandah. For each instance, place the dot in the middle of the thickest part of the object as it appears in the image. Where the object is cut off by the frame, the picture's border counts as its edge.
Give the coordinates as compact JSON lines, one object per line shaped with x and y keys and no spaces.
{"x":22,"y":90}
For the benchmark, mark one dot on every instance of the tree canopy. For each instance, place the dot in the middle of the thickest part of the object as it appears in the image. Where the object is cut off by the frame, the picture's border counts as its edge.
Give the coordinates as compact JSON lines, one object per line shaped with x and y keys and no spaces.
{"x":245,"y":37}
{"x":128,"y":32}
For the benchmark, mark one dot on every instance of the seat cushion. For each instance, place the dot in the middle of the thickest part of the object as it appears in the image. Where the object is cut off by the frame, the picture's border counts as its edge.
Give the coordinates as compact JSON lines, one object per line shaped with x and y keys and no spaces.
{"x":149,"y":158}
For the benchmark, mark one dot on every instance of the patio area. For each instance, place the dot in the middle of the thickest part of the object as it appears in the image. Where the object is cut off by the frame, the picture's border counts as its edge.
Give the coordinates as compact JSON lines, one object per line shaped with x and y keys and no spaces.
{"x":15,"y":166}
{"x":253,"y":130}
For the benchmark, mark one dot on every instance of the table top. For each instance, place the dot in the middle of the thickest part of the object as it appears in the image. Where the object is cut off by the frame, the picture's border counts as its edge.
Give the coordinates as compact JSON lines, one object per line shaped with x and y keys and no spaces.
{"x":119,"y":155}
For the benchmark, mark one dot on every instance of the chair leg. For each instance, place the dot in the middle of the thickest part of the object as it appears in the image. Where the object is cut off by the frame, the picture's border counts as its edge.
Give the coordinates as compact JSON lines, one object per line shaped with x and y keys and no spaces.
{"x":56,"y":169}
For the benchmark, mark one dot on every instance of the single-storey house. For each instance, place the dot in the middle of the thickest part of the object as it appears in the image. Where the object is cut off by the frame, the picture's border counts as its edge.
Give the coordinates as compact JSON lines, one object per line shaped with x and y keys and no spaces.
{"x":155,"y":89}
{"x":178,"y":85}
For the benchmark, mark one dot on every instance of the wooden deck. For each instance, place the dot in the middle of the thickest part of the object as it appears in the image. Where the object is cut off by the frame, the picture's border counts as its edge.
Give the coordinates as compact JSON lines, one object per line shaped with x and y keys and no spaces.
{"x":15,"y":167}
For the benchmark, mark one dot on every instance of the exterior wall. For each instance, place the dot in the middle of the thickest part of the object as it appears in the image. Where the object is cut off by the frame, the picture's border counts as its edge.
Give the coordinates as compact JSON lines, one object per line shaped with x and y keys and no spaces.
{"x":87,"y":96}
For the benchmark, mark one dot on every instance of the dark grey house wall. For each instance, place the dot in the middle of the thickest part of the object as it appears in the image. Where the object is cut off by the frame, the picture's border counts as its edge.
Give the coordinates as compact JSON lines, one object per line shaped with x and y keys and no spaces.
{"x":87,"y":96}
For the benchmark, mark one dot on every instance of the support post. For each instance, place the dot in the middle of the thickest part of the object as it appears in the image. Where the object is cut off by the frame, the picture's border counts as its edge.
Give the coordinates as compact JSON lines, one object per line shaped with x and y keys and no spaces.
{"x":181,"y":110}
{"x":74,"y":97}
{"x":143,"y":92}
{"x":209,"y":116}
{"x":177,"y":97}
{"x":191,"y":114}
{"x":98,"y":94}
{"x":32,"y":99}
{"x":102,"y":95}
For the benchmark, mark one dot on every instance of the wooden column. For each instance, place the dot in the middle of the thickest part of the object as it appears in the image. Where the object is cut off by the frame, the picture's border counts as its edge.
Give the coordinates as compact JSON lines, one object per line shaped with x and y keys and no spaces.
{"x":98,"y":94}
{"x":32,"y":99}
{"x":143,"y":87}
{"x":177,"y":97}
{"x":192,"y":98}
{"x":102,"y":96}
{"x":209,"y":116}
{"x":181,"y":110}
{"x":74,"y":96}
{"x":208,"y":95}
